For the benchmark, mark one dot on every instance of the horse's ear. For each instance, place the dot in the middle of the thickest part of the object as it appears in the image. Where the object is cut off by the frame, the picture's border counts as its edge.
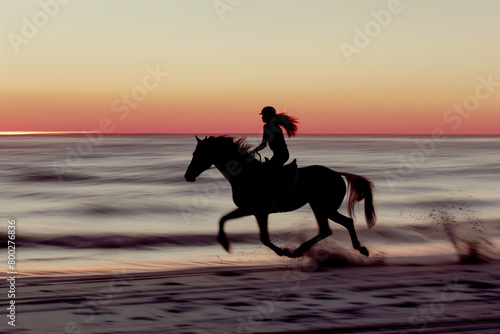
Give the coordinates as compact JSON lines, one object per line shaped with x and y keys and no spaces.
{"x":197,"y":139}
{"x":206,"y":137}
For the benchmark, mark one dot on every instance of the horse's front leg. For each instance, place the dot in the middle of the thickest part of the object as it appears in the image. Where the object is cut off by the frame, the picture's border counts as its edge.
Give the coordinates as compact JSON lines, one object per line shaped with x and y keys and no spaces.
{"x":222,"y":238}
{"x":264,"y":236}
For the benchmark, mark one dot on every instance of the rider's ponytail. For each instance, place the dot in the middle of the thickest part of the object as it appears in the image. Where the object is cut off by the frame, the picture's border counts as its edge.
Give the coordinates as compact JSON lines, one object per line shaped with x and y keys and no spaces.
{"x":289,"y":123}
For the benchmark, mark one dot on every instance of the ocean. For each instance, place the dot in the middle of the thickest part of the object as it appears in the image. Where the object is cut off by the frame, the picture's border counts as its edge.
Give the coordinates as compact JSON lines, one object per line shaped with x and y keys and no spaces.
{"x":120,"y":202}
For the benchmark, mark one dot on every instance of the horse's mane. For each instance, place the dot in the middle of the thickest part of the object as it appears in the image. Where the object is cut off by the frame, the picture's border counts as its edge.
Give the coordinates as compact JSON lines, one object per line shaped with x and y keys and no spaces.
{"x":239,"y":145}
{"x":242,"y":144}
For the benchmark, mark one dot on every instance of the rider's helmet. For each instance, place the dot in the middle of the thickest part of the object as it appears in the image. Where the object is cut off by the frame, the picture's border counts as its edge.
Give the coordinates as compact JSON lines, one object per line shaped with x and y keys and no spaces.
{"x":268,"y":112}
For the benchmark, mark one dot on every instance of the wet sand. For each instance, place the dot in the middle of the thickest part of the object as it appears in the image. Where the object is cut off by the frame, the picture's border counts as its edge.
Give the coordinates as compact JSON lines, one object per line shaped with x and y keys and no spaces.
{"x":375,"y":298}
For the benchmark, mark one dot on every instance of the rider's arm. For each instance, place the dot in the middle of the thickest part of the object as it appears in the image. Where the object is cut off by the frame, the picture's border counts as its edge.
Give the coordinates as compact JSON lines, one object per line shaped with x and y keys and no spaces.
{"x":262,"y":145}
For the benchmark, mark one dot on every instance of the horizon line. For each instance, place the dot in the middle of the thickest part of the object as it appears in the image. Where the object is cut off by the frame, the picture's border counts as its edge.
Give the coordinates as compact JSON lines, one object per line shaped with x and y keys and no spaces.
{"x":81,"y":133}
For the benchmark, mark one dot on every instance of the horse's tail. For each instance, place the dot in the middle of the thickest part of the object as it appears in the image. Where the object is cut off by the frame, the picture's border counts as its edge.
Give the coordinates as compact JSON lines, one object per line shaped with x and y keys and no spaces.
{"x":360,"y":188}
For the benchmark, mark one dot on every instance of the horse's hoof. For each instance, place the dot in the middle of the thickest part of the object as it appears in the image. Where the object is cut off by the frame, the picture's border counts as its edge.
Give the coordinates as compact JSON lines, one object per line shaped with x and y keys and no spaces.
{"x":289,"y":254}
{"x":224,"y":242}
{"x":364,"y":251}
{"x":284,"y":252}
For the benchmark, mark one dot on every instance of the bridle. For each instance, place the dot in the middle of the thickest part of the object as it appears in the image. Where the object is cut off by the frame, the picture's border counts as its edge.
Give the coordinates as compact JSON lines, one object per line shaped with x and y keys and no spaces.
{"x":260,"y":157}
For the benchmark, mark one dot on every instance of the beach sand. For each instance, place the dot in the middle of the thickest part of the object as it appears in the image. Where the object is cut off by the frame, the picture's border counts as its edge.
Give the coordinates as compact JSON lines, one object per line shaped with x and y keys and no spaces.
{"x":370,"y":298}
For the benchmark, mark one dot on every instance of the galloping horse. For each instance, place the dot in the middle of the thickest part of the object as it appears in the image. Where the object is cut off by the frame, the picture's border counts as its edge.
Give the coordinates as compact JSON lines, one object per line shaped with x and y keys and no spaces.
{"x":321,"y":187}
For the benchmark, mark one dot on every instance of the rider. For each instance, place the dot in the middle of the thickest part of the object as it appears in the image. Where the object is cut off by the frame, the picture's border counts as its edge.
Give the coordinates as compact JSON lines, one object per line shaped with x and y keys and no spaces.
{"x":273,"y":135}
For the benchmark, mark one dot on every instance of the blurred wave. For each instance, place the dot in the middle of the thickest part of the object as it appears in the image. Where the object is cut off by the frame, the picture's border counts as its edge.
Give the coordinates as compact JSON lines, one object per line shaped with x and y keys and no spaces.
{"x":457,"y":232}
{"x":126,"y":241}
{"x":128,"y":192}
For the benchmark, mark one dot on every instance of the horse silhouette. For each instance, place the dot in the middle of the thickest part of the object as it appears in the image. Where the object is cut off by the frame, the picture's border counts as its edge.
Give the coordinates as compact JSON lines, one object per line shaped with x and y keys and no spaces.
{"x":254,"y":191}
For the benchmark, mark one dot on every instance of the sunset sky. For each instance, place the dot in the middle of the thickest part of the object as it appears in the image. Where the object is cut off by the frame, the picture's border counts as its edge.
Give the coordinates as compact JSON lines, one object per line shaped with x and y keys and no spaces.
{"x":69,"y":65}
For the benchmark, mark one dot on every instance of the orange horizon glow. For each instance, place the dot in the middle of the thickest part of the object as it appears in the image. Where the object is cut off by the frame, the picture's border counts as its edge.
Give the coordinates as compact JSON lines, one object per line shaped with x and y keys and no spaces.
{"x":25,"y":133}
{"x":207,"y":75}
{"x":202,"y":133}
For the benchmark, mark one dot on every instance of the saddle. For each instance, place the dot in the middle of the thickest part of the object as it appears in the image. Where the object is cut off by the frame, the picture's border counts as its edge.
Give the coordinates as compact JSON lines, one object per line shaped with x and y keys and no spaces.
{"x":280,"y":180}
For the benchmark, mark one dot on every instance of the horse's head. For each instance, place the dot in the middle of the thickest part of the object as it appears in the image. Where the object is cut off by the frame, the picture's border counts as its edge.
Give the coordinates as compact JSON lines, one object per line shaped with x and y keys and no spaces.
{"x":227,"y":155}
{"x":201,"y":161}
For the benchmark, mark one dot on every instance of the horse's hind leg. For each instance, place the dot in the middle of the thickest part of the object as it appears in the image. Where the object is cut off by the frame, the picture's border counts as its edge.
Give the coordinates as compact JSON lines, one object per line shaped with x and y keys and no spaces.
{"x":324,"y":231}
{"x":348,"y":223}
